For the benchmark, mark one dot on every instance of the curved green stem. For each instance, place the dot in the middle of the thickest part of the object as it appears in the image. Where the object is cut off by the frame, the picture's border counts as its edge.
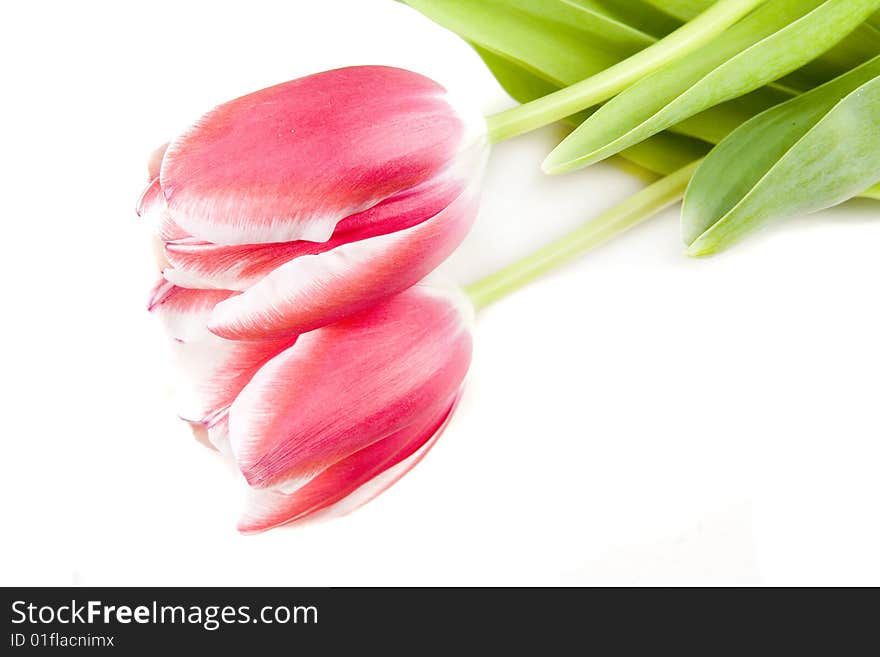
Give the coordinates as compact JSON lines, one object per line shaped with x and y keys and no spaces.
{"x":602,"y":86}
{"x":636,"y":209}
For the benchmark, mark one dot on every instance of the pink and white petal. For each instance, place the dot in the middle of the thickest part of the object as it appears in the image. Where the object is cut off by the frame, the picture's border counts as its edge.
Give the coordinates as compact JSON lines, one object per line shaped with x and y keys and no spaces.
{"x":382,"y":482}
{"x":231,"y":267}
{"x":348,"y":385}
{"x":152,"y":209}
{"x":157,"y":247}
{"x":347,"y":484}
{"x":184,"y":312}
{"x":217,"y":430}
{"x":211,"y":371}
{"x":291,"y":161}
{"x":200,"y":433}
{"x":161,"y":291}
{"x":204,"y":264}
{"x":185,"y":278}
{"x":154,"y":162}
{"x":313,"y":291}
{"x":213,"y":434}
{"x":151,"y":203}
{"x":411,"y":206}
{"x":168,"y":231}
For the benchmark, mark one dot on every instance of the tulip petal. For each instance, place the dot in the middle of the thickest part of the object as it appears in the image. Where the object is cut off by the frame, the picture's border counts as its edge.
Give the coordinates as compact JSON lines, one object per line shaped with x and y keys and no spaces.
{"x":182,"y":277}
{"x":347,"y":385}
{"x":213,"y":433}
{"x":238,"y":267}
{"x":154,"y":162}
{"x":212,"y":370}
{"x":200,"y":433}
{"x":289,"y":162}
{"x":149,"y":199}
{"x":184,"y":311}
{"x":151,"y":204}
{"x":203,"y":264}
{"x":152,"y":209}
{"x":313,"y":291}
{"x":217,"y":430}
{"x":347,"y":484}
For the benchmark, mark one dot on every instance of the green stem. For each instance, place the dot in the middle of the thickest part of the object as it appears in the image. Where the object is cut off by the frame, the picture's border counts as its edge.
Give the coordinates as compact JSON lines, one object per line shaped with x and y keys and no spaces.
{"x":608,"y":83}
{"x":636,"y":209}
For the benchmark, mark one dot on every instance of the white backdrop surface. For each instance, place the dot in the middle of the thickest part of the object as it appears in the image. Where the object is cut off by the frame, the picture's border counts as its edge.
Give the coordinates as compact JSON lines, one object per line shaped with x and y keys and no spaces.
{"x":636,"y":418}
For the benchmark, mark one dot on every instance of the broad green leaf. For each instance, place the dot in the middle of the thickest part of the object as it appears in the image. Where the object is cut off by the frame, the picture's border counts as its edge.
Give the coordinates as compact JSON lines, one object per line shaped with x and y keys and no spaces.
{"x":809,"y":153}
{"x":774,"y":40}
{"x":602,"y":18}
{"x":558,"y":41}
{"x":640,"y":14}
{"x":683,"y":10}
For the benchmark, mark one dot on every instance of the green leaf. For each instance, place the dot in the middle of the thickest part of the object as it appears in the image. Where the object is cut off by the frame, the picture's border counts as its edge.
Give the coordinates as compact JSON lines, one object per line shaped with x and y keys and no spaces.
{"x":683,"y":10}
{"x":715,"y":123}
{"x":774,"y":40}
{"x":808,"y":154}
{"x":640,"y":14}
{"x":560,"y":42}
{"x":665,"y":152}
{"x":860,"y":46}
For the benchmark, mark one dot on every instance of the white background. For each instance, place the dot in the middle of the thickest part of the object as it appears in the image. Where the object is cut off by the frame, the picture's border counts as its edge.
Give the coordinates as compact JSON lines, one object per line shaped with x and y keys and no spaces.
{"x":638,"y":417}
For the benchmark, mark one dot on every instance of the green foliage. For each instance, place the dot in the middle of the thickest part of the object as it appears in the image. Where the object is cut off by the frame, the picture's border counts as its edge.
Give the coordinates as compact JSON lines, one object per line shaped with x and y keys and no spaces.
{"x":807,"y":154}
{"x":776,"y":39}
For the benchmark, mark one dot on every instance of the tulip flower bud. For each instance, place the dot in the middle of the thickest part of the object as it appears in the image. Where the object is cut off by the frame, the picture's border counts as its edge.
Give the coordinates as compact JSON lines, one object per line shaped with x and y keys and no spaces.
{"x":338,"y":413}
{"x":318,"y":197}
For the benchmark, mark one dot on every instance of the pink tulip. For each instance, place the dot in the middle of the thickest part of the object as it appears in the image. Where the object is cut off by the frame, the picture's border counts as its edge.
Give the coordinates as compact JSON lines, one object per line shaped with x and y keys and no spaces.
{"x":316,"y":198}
{"x":336,"y":414}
